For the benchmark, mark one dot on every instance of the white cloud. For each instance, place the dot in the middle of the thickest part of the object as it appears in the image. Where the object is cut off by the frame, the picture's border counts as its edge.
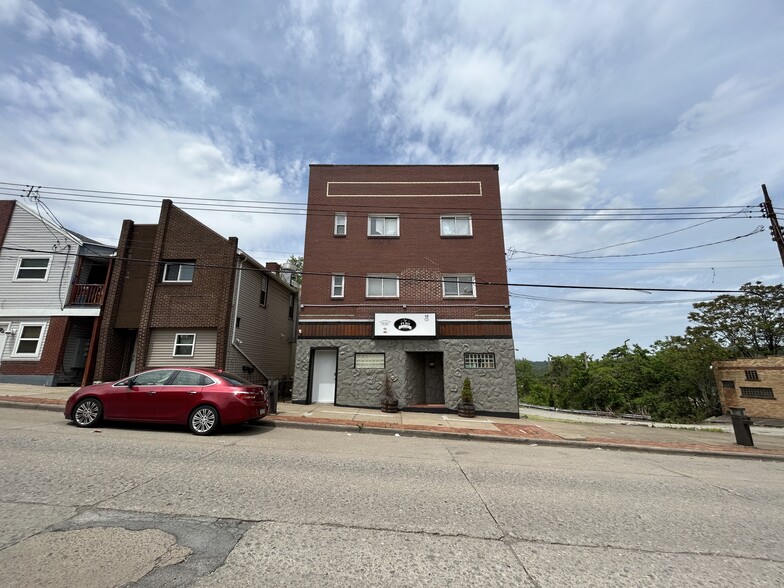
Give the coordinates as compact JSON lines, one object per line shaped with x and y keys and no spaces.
{"x":195,"y":85}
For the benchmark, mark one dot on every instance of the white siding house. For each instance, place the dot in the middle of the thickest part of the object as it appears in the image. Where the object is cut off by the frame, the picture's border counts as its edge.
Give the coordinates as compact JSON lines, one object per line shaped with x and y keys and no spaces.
{"x":50,"y":298}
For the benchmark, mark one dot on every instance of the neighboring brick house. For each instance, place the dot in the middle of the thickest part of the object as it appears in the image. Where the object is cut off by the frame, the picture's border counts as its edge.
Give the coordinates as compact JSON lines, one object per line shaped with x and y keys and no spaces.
{"x":756,"y":384}
{"x":405,"y":275}
{"x":181,"y":294}
{"x":52,"y":283}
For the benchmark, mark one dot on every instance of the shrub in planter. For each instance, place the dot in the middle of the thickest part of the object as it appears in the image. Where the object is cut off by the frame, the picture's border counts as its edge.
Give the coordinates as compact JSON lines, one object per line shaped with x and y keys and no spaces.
{"x":466,"y":408}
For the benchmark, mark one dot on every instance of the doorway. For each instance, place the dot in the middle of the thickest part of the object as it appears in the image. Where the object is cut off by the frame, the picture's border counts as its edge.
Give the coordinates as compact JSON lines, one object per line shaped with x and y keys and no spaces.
{"x":425,"y":376}
{"x":323,"y":369}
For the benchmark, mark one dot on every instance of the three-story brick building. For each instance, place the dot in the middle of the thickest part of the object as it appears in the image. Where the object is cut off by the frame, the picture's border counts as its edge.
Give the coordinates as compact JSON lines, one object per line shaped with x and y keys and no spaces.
{"x":405,"y":277}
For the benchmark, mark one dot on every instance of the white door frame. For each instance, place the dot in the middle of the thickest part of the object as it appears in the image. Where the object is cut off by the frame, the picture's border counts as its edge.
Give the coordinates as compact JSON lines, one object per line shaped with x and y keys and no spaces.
{"x":3,"y":338}
{"x":324,"y":375}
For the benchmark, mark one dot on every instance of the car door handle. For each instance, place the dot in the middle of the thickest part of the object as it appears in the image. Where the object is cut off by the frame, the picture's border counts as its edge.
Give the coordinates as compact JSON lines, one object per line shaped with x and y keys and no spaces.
{"x":150,"y":392}
{"x":192,"y":392}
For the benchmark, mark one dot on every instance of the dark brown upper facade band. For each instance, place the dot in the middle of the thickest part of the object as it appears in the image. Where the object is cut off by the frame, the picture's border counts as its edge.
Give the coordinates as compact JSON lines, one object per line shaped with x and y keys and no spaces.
{"x":365,"y":330}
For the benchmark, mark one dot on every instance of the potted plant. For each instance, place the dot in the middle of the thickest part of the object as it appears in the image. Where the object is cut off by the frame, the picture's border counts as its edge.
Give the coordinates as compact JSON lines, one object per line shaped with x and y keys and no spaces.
{"x":388,"y":400}
{"x":465,"y":407}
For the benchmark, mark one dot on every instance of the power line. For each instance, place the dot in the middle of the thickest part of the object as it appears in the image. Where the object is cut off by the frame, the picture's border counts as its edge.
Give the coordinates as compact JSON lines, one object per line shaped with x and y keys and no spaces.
{"x":420,"y":280}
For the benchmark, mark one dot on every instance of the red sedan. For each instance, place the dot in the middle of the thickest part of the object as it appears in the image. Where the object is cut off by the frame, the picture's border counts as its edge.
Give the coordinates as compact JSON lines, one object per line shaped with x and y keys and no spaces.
{"x":202,"y":398}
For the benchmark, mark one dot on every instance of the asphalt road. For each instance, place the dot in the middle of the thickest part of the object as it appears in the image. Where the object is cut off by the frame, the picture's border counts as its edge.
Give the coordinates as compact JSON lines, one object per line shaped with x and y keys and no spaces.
{"x":156,"y":506}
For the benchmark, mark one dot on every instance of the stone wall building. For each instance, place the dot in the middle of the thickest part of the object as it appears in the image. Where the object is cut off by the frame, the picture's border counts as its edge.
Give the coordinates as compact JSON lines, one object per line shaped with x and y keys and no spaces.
{"x":756,"y":384}
{"x":405,"y":277}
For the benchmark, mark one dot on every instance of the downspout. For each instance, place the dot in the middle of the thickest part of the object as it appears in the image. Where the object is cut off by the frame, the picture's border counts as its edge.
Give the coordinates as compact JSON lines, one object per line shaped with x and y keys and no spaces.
{"x":236,"y":302}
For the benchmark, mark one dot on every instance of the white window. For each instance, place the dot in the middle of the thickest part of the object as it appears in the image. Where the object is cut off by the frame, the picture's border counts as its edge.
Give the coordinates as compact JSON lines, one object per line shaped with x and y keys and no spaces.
{"x":457,"y":225}
{"x":368,"y":361}
{"x":184,"y":344}
{"x":178,"y":272}
{"x":382,"y":287}
{"x":460,"y":286}
{"x":32,"y":268}
{"x":341,"y":223}
{"x":479,"y":360}
{"x":337,"y":285}
{"x":383,"y":226}
{"x":28,"y":340}
{"x":264,"y":288}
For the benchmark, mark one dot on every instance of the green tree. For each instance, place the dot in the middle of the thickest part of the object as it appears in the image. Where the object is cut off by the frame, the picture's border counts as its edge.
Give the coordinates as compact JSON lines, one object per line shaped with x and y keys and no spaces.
{"x":686,"y":386}
{"x":298,"y":263}
{"x":749,"y":324}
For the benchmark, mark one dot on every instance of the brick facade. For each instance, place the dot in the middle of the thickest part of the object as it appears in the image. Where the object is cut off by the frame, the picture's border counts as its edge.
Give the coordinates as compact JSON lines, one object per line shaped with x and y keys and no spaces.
{"x":421,"y":258}
{"x":757,"y":376}
{"x":140,"y":303}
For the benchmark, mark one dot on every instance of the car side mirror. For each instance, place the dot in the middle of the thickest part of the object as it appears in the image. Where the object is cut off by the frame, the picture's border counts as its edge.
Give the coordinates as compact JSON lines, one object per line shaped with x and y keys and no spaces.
{"x":130,"y":382}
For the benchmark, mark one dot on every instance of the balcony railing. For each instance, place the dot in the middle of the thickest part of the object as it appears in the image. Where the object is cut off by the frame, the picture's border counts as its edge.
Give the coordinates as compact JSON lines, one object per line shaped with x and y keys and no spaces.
{"x":86,"y":294}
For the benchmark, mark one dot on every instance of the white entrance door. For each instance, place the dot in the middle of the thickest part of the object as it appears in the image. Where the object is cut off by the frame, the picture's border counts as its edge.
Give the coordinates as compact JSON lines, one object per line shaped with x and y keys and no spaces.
{"x":325,"y":365}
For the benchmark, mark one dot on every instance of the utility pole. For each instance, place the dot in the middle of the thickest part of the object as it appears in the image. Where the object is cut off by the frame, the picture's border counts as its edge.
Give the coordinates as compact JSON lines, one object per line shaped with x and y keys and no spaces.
{"x":775,"y":228}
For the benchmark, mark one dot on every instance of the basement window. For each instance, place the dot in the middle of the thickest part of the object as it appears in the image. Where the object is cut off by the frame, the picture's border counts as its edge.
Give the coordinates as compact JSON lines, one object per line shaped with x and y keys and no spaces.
{"x":761,"y":393}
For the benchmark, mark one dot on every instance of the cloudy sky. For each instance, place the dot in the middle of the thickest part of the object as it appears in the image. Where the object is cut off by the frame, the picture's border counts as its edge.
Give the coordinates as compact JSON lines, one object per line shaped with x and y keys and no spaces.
{"x":586,"y":106}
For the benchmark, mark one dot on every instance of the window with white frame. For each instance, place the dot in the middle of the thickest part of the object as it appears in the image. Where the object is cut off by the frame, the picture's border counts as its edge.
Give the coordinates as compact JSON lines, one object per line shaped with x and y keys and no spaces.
{"x":383,"y":226}
{"x":382,"y":287}
{"x":178,"y":272}
{"x":338,"y":283}
{"x":32,"y":268}
{"x":341,"y":224}
{"x":264,"y":289}
{"x":479,"y":360}
{"x":28,"y":340}
{"x":184,"y":344}
{"x":456,"y":225}
{"x":461,"y":286}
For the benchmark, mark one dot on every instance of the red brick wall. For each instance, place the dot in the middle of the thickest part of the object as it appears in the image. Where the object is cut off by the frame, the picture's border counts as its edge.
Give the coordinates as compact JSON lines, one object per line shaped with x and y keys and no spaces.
{"x":50,"y":362}
{"x":420,"y":253}
{"x":6,"y":211}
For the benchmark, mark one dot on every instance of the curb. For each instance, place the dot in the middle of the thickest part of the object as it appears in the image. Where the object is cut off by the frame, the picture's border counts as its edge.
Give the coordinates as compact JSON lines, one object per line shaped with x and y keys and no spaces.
{"x":370,"y":430}
{"x":271,"y":422}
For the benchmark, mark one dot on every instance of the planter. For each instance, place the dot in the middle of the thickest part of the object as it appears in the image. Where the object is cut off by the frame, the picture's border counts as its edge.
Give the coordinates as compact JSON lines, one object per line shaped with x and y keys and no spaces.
{"x":389,"y":405}
{"x":466,"y":409}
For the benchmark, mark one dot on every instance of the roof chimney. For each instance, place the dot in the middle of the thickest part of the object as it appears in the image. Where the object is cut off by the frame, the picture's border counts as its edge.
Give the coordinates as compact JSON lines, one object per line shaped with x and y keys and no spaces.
{"x":273,"y":266}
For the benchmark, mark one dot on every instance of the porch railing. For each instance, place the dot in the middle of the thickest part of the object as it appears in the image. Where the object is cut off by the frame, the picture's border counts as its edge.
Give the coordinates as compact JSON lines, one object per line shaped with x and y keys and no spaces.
{"x":86,"y":294}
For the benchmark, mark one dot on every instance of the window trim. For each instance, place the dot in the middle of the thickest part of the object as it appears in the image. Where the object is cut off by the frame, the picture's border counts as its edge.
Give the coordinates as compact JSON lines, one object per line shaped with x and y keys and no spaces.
{"x":38,"y":347}
{"x":382,"y":277}
{"x":264,"y":295}
{"x":177,"y":344}
{"x":479,"y":359}
{"x":377,"y":353}
{"x":386,"y":217}
{"x":342,"y":286}
{"x":457,"y":282}
{"x":455,"y":217}
{"x":336,"y":224}
{"x":179,"y":265}
{"x":19,"y":261}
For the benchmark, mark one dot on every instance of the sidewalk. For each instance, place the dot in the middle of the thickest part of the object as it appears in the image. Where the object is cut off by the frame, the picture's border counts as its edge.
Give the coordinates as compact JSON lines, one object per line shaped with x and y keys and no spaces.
{"x":535,"y":430}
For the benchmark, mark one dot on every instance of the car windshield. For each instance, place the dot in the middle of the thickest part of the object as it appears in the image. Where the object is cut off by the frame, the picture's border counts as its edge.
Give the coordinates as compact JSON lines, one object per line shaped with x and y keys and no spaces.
{"x":234,"y":380}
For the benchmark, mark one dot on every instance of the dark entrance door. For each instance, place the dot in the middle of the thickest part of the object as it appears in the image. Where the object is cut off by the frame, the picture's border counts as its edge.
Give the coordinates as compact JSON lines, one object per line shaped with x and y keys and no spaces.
{"x":425,"y":375}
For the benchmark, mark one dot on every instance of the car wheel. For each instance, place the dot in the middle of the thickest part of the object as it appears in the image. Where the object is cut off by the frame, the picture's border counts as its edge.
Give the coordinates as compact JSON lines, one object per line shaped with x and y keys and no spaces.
{"x":203,"y":420}
{"x":87,"y":412}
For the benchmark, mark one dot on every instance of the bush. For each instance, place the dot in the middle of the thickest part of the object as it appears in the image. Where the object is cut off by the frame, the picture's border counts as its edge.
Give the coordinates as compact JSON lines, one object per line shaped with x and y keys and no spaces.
{"x":467,"y":394}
